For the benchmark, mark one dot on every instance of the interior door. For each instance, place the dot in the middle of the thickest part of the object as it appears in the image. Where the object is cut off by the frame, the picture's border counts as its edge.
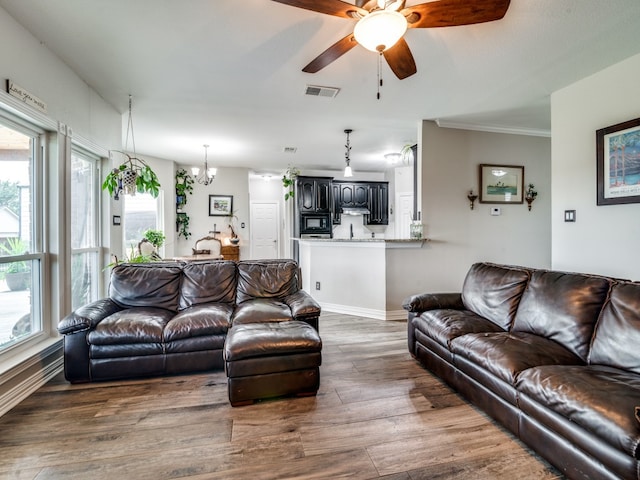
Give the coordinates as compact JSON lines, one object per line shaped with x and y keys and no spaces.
{"x":264,"y":230}
{"x":404,"y":209}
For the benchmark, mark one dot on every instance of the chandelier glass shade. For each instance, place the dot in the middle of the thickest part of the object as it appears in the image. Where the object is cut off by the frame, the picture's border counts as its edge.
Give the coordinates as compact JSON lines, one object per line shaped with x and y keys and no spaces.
{"x":208,"y":174}
{"x":380,"y":30}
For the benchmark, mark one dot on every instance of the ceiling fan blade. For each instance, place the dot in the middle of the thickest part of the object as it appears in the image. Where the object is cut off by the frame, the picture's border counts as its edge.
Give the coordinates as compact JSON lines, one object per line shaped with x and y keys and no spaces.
{"x":451,"y":13}
{"x":332,"y":53}
{"x":337,"y":8}
{"x":400,"y":59}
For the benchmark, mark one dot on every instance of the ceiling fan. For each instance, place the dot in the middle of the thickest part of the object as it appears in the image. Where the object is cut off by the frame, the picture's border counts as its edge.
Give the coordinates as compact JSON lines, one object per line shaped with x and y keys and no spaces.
{"x":383,"y":23}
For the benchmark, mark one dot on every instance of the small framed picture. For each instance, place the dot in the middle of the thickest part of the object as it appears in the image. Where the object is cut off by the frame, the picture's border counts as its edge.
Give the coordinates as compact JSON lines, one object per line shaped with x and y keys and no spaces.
{"x":116,"y":220}
{"x":220,"y":205}
{"x":618,"y":168}
{"x":501,"y":184}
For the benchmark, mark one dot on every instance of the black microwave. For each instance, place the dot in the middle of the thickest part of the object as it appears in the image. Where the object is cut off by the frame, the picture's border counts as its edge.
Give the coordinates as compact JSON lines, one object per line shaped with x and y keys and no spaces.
{"x":315,"y":223}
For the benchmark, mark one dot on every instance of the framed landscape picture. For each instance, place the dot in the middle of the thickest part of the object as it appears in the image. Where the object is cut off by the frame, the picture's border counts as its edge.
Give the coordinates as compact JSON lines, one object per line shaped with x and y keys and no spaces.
{"x":501,"y":184}
{"x":618,"y":167}
{"x":220,"y":205}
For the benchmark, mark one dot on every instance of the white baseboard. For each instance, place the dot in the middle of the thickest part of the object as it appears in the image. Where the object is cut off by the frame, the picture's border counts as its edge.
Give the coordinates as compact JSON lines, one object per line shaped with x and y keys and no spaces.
{"x":365,"y":312}
{"x":29,"y":383}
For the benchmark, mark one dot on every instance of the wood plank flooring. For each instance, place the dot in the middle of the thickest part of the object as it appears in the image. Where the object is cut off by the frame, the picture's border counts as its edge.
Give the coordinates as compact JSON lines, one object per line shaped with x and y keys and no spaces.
{"x":378,"y":414}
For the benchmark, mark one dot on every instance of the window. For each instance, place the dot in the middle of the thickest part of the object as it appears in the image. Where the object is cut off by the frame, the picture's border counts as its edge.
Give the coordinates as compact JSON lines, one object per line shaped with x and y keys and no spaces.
{"x":85,"y":250}
{"x":141,"y":212}
{"x":21,"y":252}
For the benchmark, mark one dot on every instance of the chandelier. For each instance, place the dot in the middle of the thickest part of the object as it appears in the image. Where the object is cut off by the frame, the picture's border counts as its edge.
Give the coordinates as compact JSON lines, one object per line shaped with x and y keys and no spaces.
{"x":347,"y":170}
{"x":208,"y":174}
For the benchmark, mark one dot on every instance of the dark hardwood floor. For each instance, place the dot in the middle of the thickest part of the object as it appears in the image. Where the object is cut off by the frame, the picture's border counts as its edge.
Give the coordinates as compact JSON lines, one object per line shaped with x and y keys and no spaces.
{"x":378,"y":414}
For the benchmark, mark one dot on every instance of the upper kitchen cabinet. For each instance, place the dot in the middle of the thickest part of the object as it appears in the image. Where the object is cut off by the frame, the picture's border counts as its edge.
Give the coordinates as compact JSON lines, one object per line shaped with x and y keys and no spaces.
{"x":378,"y":204}
{"x":353,"y":194}
{"x":314,"y":194}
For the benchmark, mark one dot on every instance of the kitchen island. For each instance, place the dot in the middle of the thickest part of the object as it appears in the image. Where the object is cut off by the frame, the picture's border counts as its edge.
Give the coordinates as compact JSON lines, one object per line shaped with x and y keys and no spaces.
{"x":364,"y":276}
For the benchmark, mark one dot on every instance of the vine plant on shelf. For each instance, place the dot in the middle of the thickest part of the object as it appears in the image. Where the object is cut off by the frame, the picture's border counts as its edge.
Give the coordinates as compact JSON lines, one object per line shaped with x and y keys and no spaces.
{"x":184,"y":187}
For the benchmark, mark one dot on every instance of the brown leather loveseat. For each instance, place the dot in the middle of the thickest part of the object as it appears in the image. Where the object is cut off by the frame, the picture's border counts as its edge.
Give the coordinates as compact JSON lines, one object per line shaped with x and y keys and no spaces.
{"x":553,"y":356}
{"x":166,"y":318}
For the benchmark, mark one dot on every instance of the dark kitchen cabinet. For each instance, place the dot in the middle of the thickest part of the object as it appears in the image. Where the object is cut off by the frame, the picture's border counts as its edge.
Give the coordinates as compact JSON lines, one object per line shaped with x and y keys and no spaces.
{"x":314,"y":194}
{"x":335,"y":190}
{"x":378,"y":204}
{"x":354,"y":194}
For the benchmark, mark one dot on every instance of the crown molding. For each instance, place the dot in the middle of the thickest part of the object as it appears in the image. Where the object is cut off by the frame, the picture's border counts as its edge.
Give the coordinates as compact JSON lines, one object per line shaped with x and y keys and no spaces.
{"x":533,"y":132}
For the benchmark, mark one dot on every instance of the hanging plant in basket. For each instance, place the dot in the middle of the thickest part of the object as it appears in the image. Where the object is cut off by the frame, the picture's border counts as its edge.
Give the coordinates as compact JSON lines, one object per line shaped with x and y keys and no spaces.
{"x":131,"y":176}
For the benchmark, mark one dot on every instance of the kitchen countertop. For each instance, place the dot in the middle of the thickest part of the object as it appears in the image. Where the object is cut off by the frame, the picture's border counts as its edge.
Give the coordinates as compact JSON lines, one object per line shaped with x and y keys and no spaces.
{"x":365,"y":240}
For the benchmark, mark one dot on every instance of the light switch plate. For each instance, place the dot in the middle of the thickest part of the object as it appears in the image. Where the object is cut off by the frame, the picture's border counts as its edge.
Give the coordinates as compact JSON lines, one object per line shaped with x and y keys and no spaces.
{"x":496,"y":211}
{"x":569,"y":215}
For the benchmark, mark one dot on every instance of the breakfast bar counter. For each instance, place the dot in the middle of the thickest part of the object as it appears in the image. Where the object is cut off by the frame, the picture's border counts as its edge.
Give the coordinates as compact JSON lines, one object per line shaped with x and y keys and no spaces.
{"x":360,"y":276}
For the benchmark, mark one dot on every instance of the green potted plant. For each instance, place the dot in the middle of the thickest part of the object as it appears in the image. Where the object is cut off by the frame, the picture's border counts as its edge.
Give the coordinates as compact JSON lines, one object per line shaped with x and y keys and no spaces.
{"x":155,"y":237}
{"x":184,"y":186}
{"x":18,"y":274}
{"x":182,"y":225}
{"x":131,"y":176}
{"x":289,"y":181}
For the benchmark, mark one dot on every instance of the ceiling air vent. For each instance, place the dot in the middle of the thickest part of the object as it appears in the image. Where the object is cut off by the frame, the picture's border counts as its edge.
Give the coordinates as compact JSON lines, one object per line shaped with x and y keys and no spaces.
{"x":318,"y":91}
{"x":290,"y":149}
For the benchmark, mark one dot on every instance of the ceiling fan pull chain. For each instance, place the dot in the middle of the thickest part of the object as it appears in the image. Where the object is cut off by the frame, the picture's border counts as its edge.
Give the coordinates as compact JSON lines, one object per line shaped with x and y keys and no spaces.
{"x":379,"y":74}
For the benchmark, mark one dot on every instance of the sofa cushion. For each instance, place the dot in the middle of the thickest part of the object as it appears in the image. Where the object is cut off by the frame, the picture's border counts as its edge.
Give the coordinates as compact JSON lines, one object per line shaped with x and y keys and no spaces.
{"x":261,"y":310}
{"x":266,"y":279}
{"x":494,"y":291}
{"x":146,"y":285}
{"x":202,"y":320}
{"x":445,"y":325}
{"x":616,"y":341}
{"x":131,"y":326}
{"x":506,"y":354}
{"x":562,"y":307}
{"x":208,"y":282}
{"x":599,"y":399}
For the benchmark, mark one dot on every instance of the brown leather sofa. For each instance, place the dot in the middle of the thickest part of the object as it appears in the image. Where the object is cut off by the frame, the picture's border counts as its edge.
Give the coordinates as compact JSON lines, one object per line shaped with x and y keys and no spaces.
{"x":166,"y":318}
{"x":553,"y":356}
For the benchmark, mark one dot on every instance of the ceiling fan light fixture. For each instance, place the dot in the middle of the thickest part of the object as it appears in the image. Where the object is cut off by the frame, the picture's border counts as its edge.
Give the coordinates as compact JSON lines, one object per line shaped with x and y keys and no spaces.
{"x":380,"y":30}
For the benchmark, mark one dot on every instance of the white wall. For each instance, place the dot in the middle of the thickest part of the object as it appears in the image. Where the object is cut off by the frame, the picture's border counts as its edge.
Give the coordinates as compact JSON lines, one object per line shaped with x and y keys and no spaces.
{"x":460,"y":236}
{"x":228,"y":181}
{"x":603,"y":239}
{"x":27,"y":62}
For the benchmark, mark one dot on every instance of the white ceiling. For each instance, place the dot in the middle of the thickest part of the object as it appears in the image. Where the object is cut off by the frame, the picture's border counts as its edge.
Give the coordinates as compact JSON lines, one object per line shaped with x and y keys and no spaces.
{"x":228,"y":73}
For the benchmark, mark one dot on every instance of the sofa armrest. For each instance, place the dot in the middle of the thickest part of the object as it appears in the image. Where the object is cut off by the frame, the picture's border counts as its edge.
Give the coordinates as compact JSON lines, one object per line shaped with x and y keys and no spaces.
{"x":302,"y":305}
{"x":433,"y":301}
{"x":88,"y":316}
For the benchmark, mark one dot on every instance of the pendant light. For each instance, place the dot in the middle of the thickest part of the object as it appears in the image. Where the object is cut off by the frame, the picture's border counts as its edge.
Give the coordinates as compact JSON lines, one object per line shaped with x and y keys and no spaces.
{"x":347,"y":170}
{"x":208,"y":174}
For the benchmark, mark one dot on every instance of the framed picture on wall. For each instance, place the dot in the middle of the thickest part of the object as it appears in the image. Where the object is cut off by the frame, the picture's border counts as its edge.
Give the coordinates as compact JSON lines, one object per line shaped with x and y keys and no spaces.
{"x":618,"y":167}
{"x":501,"y":183}
{"x":220,"y":205}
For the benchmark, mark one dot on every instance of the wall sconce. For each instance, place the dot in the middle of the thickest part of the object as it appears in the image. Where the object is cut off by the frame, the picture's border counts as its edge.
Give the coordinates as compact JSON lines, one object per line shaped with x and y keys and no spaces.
{"x":472,"y":198}
{"x":530,"y":195}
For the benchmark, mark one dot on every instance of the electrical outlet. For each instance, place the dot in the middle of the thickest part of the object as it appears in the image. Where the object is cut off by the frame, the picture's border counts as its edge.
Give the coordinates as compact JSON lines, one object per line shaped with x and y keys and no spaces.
{"x":317,"y":285}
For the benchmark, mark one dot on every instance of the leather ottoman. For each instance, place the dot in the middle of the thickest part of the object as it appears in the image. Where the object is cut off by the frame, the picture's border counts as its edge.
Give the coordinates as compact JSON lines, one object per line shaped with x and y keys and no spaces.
{"x":273,"y":359}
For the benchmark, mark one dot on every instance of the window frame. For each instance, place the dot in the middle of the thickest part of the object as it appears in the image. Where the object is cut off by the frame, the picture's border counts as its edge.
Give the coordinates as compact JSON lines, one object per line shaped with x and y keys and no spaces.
{"x":96,"y":249}
{"x":40,"y":278}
